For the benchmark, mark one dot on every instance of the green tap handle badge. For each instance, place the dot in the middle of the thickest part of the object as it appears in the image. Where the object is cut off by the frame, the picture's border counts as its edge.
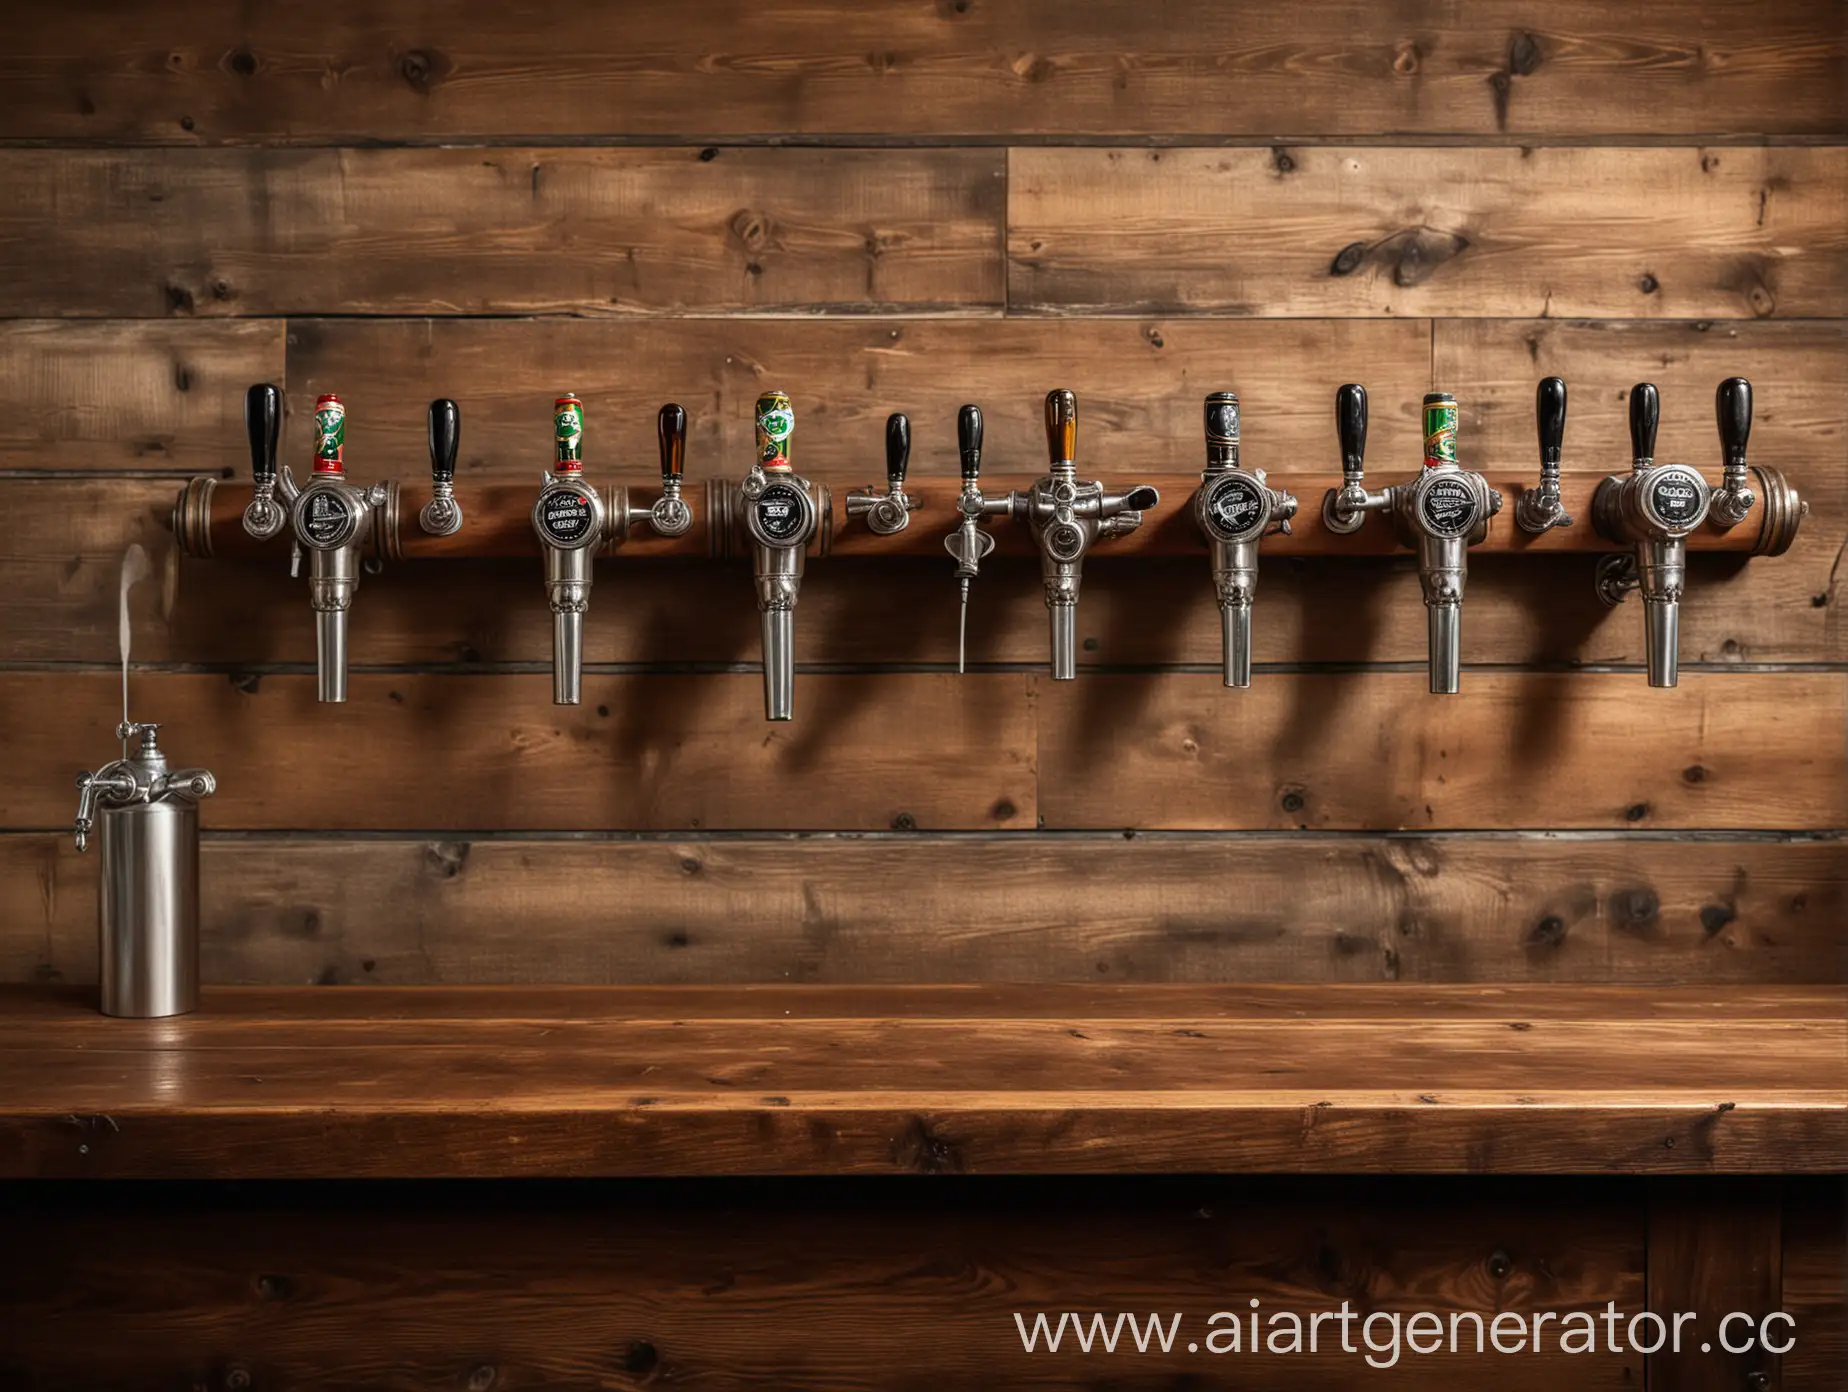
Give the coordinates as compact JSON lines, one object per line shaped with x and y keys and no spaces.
{"x":1440,"y":430}
{"x":776,"y":422}
{"x":568,"y":432}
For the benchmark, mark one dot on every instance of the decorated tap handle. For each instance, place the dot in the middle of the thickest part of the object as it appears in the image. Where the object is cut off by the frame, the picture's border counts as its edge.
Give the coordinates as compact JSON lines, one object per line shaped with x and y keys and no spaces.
{"x":671,"y":427}
{"x":445,"y":440}
{"x":1550,"y":413}
{"x":898,"y":449}
{"x":1645,"y":416}
{"x":776,"y":423}
{"x":969,"y":442}
{"x":1351,"y":427}
{"x":1732,"y":403}
{"x":568,"y":434}
{"x":1061,"y":426}
{"x":263,"y":423}
{"x":1221,"y":419}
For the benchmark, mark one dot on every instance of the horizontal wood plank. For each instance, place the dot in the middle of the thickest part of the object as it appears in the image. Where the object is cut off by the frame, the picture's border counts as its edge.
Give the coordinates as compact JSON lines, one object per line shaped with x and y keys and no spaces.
{"x":835,"y":1287}
{"x":130,"y":395}
{"x":934,"y":751}
{"x":168,"y":73}
{"x":1512,"y":750}
{"x":458,"y":231}
{"x":690,"y":752}
{"x":923,"y":909}
{"x":652,"y":1081}
{"x":1739,"y":233}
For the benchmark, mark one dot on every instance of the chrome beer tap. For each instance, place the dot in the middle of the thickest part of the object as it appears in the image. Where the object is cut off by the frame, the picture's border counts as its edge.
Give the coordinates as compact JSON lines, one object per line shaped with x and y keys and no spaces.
{"x":890,"y":511}
{"x":573,"y":524}
{"x":969,"y":544}
{"x":1067,"y":516}
{"x":1654,"y":508}
{"x":1442,"y":512}
{"x":1539,"y":509}
{"x":781,"y":516}
{"x":568,"y":516}
{"x":1235,"y":509}
{"x":442,"y":515}
{"x":328,"y":515}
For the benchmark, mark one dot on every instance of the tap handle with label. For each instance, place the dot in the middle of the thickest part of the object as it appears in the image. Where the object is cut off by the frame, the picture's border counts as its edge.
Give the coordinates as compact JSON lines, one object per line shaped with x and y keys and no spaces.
{"x":1645,"y":416}
{"x":898,"y":450}
{"x":1351,"y":427}
{"x":776,"y":424}
{"x":1061,"y":426}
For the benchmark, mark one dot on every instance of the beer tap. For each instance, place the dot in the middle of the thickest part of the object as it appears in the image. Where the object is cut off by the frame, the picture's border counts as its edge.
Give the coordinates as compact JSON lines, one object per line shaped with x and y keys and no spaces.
{"x":1067,"y":516}
{"x":1654,"y":508}
{"x":890,"y":511}
{"x":568,"y":516}
{"x":969,"y":544}
{"x":1235,"y":509}
{"x":328,"y":516}
{"x":1442,"y":512}
{"x":442,"y":515}
{"x":573,"y":523}
{"x":781,"y":516}
{"x":1538,"y":510}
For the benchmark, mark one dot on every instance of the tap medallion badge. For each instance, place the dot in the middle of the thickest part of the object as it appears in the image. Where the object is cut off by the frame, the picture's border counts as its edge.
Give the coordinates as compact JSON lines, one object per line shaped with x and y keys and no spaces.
{"x":1440,"y":430}
{"x":566,"y":515}
{"x":327,"y":517}
{"x":780,"y":512}
{"x":1233,"y":508}
{"x":568,"y":429}
{"x":329,"y":434}
{"x":1448,"y":506}
{"x":1674,"y":497}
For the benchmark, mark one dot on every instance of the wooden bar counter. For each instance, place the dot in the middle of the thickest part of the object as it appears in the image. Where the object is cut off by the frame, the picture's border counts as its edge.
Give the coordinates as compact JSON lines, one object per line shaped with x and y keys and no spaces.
{"x":491,"y":1082}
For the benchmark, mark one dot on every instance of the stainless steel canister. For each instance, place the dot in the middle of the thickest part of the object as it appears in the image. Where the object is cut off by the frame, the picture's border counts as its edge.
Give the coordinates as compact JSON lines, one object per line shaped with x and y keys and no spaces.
{"x":147,"y":819}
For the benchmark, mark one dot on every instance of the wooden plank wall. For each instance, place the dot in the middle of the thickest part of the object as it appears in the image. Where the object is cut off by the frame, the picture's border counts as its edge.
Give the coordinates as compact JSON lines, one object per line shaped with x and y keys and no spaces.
{"x":901,"y":208}
{"x":886,"y":207}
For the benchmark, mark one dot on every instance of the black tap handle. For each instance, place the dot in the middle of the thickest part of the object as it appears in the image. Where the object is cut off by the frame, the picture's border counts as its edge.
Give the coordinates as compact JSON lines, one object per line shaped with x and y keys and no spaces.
{"x":1061,"y":426}
{"x":671,"y":428}
{"x":1733,"y":405}
{"x":1550,"y":411}
{"x":445,"y":439}
{"x":1351,"y":426}
{"x":1645,"y":416}
{"x":898,"y":449}
{"x":263,"y":422}
{"x":969,"y":441}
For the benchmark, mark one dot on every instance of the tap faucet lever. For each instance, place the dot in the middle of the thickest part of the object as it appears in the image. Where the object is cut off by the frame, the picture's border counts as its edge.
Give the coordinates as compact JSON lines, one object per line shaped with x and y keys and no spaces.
{"x":1732,"y":405}
{"x":1653,"y":508}
{"x":1067,"y":516}
{"x":1346,"y":508}
{"x":1235,"y":508}
{"x":888,"y":512}
{"x":442,"y":515}
{"x":1540,"y":509}
{"x":263,"y":423}
{"x":969,"y":545}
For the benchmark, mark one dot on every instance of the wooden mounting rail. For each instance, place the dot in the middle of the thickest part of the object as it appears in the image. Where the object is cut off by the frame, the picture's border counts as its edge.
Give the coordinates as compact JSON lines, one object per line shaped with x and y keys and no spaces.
{"x":523,"y":1081}
{"x":208,"y":519}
